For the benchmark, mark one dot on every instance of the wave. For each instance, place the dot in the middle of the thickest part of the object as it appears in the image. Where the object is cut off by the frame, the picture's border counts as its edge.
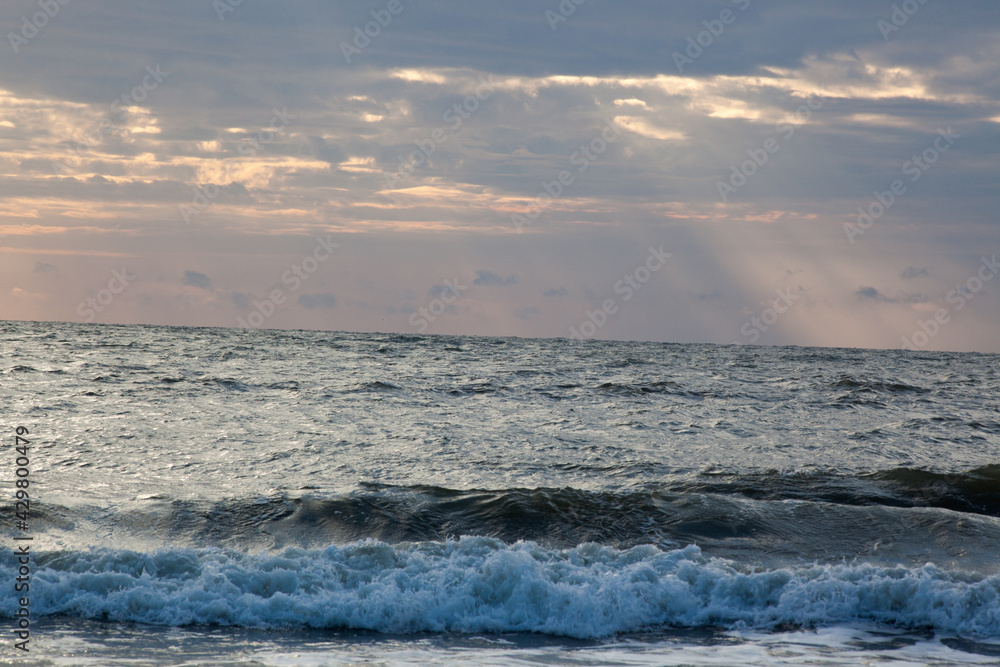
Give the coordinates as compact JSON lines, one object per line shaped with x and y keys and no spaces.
{"x":771,"y":519}
{"x":975,"y":491}
{"x":880,"y":386}
{"x":476,"y":388}
{"x":660,"y":387}
{"x":376,"y":386}
{"x":478,"y":584}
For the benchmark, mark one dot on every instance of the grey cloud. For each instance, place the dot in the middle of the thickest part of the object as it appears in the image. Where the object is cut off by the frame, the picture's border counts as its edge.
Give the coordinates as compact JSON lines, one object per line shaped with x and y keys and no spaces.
{"x":709,"y":296}
{"x":195,"y":279}
{"x":872,"y":294}
{"x":320,"y":300}
{"x":326,"y":151}
{"x":490,"y":279}
{"x":869,"y":293}
{"x":913,"y":272}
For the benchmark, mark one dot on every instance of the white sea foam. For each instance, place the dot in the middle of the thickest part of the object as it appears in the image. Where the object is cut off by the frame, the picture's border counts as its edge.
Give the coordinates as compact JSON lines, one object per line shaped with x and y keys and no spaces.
{"x":478,"y":584}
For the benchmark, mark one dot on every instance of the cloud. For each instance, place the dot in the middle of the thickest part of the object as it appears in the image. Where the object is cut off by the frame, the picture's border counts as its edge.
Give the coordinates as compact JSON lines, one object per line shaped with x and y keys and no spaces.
{"x":437,"y":290}
{"x":872,"y":294}
{"x":81,"y":181}
{"x":321,"y":300}
{"x":42,"y":267}
{"x":869,"y":293}
{"x":709,"y":296}
{"x":490,"y":279}
{"x":325,"y":151}
{"x":195,"y":279}
{"x":913,"y":272}
{"x":19,"y":293}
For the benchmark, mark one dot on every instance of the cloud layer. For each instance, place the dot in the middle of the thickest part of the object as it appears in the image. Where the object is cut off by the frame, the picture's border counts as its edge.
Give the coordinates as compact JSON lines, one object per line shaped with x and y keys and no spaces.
{"x":841,"y":154}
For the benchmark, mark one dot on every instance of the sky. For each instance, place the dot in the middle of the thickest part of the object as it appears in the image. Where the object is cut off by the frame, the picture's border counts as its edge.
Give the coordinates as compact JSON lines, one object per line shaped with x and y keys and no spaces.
{"x":782,"y":172}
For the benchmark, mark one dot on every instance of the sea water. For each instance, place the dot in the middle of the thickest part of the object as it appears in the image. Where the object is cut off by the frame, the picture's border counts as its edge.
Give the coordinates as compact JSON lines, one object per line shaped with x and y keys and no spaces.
{"x":223,"y":496}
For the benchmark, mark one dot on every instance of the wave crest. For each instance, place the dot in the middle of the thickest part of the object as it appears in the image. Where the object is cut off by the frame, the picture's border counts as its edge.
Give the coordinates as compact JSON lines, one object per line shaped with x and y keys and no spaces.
{"x":479,"y":584}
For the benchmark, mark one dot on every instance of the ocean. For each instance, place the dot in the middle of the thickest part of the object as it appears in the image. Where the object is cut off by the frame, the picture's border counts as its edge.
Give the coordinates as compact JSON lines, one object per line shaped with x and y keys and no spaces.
{"x":241,"y":497}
